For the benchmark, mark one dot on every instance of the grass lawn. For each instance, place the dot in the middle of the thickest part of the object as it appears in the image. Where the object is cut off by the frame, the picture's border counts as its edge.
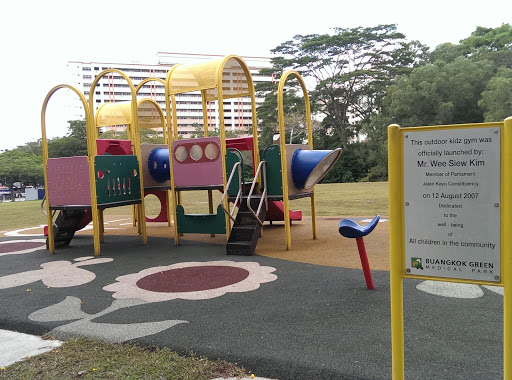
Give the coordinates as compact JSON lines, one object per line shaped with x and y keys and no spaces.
{"x":86,"y":359}
{"x":338,"y":199}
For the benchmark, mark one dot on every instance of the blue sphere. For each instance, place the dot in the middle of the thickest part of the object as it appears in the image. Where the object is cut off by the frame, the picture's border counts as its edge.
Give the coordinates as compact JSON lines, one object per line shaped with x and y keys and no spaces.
{"x":158,"y":164}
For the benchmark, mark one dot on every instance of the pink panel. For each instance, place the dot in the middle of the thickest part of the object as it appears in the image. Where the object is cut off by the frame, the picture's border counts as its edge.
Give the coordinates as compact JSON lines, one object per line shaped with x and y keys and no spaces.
{"x":68,"y":181}
{"x":201,"y":172}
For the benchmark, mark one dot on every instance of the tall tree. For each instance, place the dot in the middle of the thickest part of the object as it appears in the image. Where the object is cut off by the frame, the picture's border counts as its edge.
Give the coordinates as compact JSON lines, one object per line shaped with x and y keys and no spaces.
{"x":351,"y":69}
{"x":19,"y":166}
{"x":74,"y":144}
{"x":493,"y":44}
{"x":438,"y":94}
{"x":293,"y":104}
{"x":484,"y":40}
{"x":496,"y":101}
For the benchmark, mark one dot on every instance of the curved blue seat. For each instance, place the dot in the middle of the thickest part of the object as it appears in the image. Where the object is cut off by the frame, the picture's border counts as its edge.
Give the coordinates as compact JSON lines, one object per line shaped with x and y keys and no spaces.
{"x":350,"y":229}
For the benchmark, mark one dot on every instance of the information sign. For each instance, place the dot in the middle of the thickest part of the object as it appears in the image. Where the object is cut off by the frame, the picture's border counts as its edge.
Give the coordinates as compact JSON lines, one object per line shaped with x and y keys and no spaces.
{"x":452,"y":203}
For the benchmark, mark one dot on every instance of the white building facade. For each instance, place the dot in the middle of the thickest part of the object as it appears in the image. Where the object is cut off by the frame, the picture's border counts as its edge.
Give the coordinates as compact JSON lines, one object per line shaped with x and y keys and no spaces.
{"x":113,"y":88}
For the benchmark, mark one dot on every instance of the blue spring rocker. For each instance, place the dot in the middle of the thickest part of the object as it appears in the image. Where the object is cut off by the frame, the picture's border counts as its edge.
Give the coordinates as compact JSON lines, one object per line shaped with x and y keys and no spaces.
{"x":350,"y":229}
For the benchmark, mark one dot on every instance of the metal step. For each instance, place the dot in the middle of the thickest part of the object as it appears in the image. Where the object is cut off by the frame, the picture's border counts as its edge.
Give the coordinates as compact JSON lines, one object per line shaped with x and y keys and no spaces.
{"x":242,"y":233}
{"x":245,"y":218}
{"x":246,"y":229}
{"x":239,"y":248}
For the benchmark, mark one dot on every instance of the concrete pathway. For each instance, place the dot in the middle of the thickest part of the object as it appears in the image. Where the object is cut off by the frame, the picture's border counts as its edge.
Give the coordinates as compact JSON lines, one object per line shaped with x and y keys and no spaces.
{"x":16,"y":346}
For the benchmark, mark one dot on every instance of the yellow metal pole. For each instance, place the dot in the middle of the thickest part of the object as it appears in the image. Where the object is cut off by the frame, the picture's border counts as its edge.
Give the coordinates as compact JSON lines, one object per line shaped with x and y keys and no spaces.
{"x":222,"y":135}
{"x":310,"y":143}
{"x":284,"y":171}
{"x":506,"y":245}
{"x":44,"y":146}
{"x":205,"y":113}
{"x":256,"y":156}
{"x":135,"y":138}
{"x":172,"y":126}
{"x":396,"y":250}
{"x":175,"y":194}
{"x":92,"y":152}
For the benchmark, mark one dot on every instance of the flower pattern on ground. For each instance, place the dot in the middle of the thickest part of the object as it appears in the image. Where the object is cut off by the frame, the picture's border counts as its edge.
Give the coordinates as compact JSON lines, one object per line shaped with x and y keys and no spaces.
{"x":191,"y":281}
{"x":19,"y":247}
{"x":56,"y":274}
{"x":456,"y":290}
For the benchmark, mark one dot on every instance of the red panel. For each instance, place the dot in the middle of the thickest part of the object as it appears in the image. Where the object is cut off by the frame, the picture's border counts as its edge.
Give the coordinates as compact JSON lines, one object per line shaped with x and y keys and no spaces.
{"x":114,"y":147}
{"x":162,"y":197}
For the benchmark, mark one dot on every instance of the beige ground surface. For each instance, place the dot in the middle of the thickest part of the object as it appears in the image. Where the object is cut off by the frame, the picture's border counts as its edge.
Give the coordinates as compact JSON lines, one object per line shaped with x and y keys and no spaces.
{"x":330,"y":248}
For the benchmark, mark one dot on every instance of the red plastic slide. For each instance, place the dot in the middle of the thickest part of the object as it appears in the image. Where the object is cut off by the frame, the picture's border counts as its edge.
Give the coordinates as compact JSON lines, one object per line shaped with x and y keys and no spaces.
{"x":275,"y":212}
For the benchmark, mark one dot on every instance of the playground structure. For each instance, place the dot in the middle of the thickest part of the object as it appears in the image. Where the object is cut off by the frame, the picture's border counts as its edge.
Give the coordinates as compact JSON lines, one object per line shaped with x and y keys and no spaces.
{"x":82,"y":185}
{"x":111,"y":175}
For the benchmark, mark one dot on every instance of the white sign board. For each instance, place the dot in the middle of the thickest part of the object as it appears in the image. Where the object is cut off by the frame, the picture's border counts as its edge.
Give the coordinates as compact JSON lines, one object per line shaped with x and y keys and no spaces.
{"x":452,"y":203}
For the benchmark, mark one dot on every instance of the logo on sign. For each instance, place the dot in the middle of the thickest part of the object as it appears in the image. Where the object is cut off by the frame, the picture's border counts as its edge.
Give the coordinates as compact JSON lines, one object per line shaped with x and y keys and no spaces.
{"x":416,"y":263}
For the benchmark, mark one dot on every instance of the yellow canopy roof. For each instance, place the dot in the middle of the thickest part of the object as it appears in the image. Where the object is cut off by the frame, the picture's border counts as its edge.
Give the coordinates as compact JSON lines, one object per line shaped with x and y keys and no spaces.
{"x":114,"y":114}
{"x":205,"y":76}
{"x":150,"y":114}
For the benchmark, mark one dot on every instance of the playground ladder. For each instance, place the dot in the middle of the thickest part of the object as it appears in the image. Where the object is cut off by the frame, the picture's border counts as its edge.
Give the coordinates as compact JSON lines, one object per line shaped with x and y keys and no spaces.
{"x":248,"y":223}
{"x":246,"y":229}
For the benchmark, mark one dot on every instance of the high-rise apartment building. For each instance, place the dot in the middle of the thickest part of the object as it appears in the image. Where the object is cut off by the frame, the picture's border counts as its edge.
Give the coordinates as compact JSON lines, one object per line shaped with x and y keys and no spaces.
{"x":113,"y":88}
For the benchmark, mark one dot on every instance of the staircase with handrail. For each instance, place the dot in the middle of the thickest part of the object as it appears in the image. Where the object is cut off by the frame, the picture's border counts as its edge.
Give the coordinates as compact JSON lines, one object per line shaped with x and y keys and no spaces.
{"x":247,"y":224}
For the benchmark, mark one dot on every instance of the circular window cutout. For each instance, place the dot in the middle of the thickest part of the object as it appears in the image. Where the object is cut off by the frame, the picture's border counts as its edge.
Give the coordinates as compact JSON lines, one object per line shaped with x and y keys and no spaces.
{"x":211,"y":151}
{"x":180,"y":153}
{"x":196,"y":152}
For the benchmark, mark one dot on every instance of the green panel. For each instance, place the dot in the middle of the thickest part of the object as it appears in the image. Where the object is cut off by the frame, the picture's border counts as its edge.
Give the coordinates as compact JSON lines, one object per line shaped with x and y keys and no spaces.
{"x":201,"y":223}
{"x":117,"y":179}
{"x":272,"y":156}
{"x":232,"y":157}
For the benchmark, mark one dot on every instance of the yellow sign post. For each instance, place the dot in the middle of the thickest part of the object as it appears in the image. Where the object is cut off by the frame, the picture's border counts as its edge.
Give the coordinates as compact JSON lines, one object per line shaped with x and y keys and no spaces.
{"x":450,"y":215}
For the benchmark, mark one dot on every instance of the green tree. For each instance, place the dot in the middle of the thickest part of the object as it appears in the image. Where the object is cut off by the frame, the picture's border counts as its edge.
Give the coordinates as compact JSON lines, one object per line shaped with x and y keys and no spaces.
{"x":493,"y":44}
{"x":19,"y":166}
{"x":112,"y":134}
{"x":465,"y":83}
{"x":484,"y":40}
{"x":33,"y":147}
{"x":440,"y":93}
{"x":496,"y":101}
{"x":74,"y":144}
{"x":150,"y":136}
{"x":199,"y":132}
{"x":352,"y":166}
{"x":351,"y":69}
{"x":446,"y":52}
{"x":293,"y":109}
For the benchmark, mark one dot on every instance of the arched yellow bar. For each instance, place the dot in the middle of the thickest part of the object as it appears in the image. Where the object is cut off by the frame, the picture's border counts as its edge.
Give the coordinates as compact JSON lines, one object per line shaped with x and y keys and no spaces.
{"x":138,"y":88}
{"x":44,"y":145}
{"x":282,"y":143}
{"x":131,"y":120}
{"x":207,"y":77}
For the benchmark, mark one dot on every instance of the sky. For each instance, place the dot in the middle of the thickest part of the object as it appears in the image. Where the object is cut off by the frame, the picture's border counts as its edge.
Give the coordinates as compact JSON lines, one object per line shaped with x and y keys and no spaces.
{"x":39,"y":37}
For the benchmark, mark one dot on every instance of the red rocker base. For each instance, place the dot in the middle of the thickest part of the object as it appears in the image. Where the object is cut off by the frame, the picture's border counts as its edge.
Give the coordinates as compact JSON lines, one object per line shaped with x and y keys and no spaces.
{"x":350,"y":229}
